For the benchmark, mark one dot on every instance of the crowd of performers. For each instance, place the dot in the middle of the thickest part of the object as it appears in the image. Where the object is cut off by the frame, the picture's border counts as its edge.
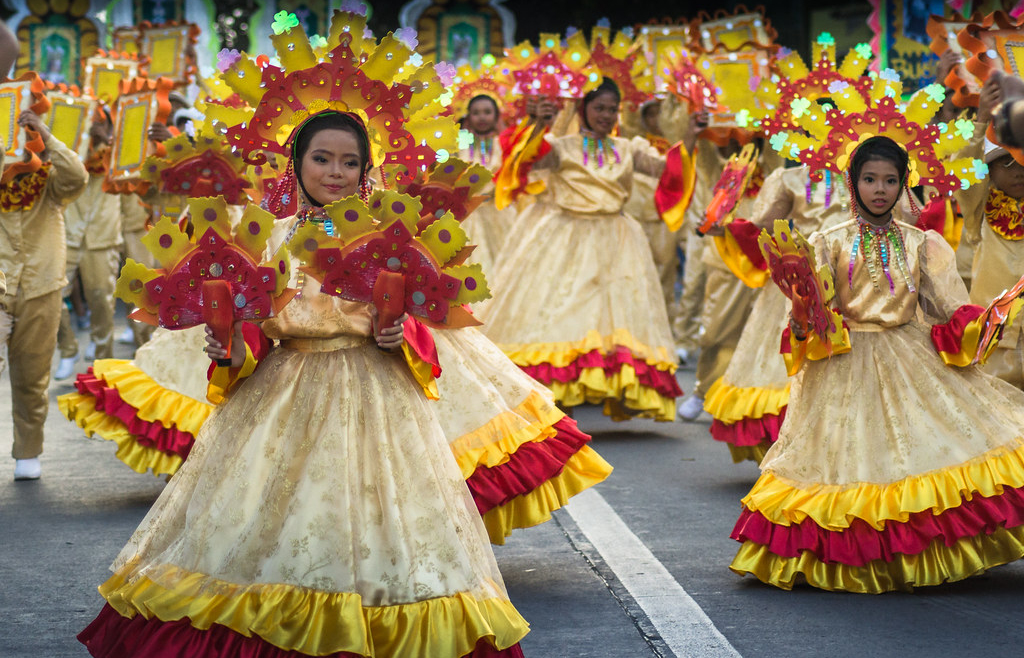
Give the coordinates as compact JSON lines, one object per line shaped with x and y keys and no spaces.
{"x":338,"y":465}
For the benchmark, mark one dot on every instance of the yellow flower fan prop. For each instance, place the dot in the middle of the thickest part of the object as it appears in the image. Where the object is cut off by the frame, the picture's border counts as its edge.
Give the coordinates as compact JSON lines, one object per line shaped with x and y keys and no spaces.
{"x":450,"y":187}
{"x":214,"y":277}
{"x":687,"y":83}
{"x":203,"y":166}
{"x":825,"y":138}
{"x":376,"y":256}
{"x":794,"y":270}
{"x":729,"y":189}
{"x":620,"y":60}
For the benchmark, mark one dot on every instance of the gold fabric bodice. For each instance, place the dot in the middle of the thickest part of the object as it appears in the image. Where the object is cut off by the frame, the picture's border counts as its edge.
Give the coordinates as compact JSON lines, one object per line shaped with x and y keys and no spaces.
{"x":930,"y":261}
{"x":312,"y":314}
{"x":589,"y":189}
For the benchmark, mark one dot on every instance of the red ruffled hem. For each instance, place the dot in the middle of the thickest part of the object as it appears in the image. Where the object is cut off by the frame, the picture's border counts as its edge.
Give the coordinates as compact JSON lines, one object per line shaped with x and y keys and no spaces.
{"x":112,"y":636}
{"x":149,"y":434}
{"x":662,"y":381}
{"x":861,"y":543}
{"x":749,"y":431}
{"x":530,"y":466}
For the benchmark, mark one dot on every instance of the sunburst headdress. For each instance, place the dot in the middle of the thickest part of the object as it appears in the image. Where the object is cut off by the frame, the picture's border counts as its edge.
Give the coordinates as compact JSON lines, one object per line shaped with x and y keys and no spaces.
{"x":795,"y":86}
{"x":825,"y":137}
{"x":620,"y":60}
{"x":549,"y":70}
{"x":385,"y":85}
{"x":469,"y":83}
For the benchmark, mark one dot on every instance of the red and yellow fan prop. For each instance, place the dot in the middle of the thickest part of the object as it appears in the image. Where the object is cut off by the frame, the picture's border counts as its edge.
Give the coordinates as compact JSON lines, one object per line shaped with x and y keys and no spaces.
{"x":1000,"y":313}
{"x":730,"y":188}
{"x":453,"y":187}
{"x":204,"y":166}
{"x":215,"y":277}
{"x":794,"y":270}
{"x":688,"y":84}
{"x":376,"y":256}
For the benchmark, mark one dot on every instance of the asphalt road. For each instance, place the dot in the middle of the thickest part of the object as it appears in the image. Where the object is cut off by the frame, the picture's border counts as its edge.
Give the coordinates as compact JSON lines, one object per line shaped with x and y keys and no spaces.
{"x":676,"y":492}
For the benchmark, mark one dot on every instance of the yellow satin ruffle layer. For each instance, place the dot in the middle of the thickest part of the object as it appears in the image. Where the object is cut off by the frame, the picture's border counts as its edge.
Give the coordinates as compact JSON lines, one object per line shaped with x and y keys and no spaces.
{"x":155,"y":403}
{"x":492,"y":444}
{"x":833,"y":507}
{"x":81,"y":409}
{"x":582,"y":471}
{"x":731,"y":404}
{"x":968,"y":556}
{"x":561,"y":355}
{"x":319,"y":623}
{"x":755,"y":454}
{"x":619,"y":393}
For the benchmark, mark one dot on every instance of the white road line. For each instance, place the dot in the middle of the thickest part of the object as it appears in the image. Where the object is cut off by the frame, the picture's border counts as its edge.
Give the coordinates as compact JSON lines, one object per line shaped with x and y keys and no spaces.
{"x":679,"y":620}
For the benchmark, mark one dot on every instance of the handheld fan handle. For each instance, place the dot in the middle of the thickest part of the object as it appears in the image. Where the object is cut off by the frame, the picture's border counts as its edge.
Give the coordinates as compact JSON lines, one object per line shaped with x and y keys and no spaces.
{"x":713,"y":212}
{"x":219,"y":314}
{"x":389,"y":297}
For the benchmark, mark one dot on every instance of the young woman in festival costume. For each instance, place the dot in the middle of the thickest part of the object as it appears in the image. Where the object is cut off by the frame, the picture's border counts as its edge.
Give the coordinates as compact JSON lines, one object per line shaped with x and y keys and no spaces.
{"x":356,"y":535}
{"x":994,"y":226}
{"x":899,"y":464}
{"x":487,"y":226}
{"x":596,"y":330}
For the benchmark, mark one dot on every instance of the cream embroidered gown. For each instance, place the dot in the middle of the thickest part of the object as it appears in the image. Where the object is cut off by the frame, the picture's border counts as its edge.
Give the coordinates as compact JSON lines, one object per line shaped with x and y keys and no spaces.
{"x":319,"y":512}
{"x":577,"y":301}
{"x":892,"y":469}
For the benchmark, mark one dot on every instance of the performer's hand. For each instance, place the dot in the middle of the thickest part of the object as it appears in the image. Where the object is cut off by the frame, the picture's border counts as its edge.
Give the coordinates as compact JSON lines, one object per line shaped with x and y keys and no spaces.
{"x":991,"y":95}
{"x":216,"y":351}
{"x":30,"y":120}
{"x":546,"y":110}
{"x":389,"y":338}
{"x":159,"y":132}
{"x":715,"y":231}
{"x":947,"y":62}
{"x":798,"y":317}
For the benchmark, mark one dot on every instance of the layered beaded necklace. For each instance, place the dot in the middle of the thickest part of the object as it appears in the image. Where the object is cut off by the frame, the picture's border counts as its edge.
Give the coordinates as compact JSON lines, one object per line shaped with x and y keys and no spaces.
{"x":483,"y":146}
{"x":311,"y":214}
{"x":880,"y":246}
{"x":596,"y":149}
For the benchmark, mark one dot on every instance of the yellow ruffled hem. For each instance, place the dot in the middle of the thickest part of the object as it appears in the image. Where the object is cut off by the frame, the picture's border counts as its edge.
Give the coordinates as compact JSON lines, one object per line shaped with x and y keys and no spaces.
{"x":755,"y":454}
{"x":561,"y":355}
{"x":155,"y":403}
{"x":833,"y":507}
{"x":582,"y":471}
{"x":731,"y":404}
{"x":935,"y":565}
{"x":320,"y":623}
{"x":621,"y":394}
{"x":81,"y":410}
{"x":491,"y":444}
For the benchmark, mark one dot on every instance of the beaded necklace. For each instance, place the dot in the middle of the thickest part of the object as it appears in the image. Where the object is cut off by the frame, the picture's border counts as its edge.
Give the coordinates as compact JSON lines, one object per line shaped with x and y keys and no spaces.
{"x":880,"y":244}
{"x":596,"y":149}
{"x":486,"y":148}
{"x":811,"y":185}
{"x":311,"y":214}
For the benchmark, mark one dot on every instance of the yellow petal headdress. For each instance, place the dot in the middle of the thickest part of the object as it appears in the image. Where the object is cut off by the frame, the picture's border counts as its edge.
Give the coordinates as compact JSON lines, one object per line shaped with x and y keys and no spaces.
{"x":825,"y":138}
{"x":620,"y":60}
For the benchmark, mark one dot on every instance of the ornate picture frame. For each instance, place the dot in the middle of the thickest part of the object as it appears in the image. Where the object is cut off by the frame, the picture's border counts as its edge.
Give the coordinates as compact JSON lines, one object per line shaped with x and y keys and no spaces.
{"x":141,"y":103}
{"x":70,"y":118}
{"x":103,"y":73}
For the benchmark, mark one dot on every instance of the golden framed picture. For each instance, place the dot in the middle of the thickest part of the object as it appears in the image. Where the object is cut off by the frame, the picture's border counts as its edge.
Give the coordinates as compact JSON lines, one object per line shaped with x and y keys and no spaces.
{"x":734,"y":31}
{"x":102,"y":73}
{"x":15,"y":96}
{"x":70,"y":118}
{"x":170,"y":51}
{"x":662,"y":43}
{"x":142,"y":102}
{"x":732,"y":74}
{"x":125,"y":40}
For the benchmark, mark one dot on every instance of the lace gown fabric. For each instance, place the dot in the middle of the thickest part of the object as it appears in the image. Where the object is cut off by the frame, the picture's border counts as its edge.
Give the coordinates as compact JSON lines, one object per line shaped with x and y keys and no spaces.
{"x":577,"y":302}
{"x":891,"y":469}
{"x":320,"y":513}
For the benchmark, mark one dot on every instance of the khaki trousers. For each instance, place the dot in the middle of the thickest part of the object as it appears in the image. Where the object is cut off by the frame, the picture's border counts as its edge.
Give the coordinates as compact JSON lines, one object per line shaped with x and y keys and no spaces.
{"x":28,"y":327}
{"x":727,"y":304}
{"x":686,"y":325}
{"x":99,"y":269}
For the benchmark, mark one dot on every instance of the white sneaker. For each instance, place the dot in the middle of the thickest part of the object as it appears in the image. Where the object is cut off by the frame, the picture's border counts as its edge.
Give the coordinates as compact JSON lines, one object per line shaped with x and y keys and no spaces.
{"x":27,"y":469}
{"x":90,"y":351}
{"x":66,"y":367}
{"x":690,"y":408}
{"x":126,"y":337}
